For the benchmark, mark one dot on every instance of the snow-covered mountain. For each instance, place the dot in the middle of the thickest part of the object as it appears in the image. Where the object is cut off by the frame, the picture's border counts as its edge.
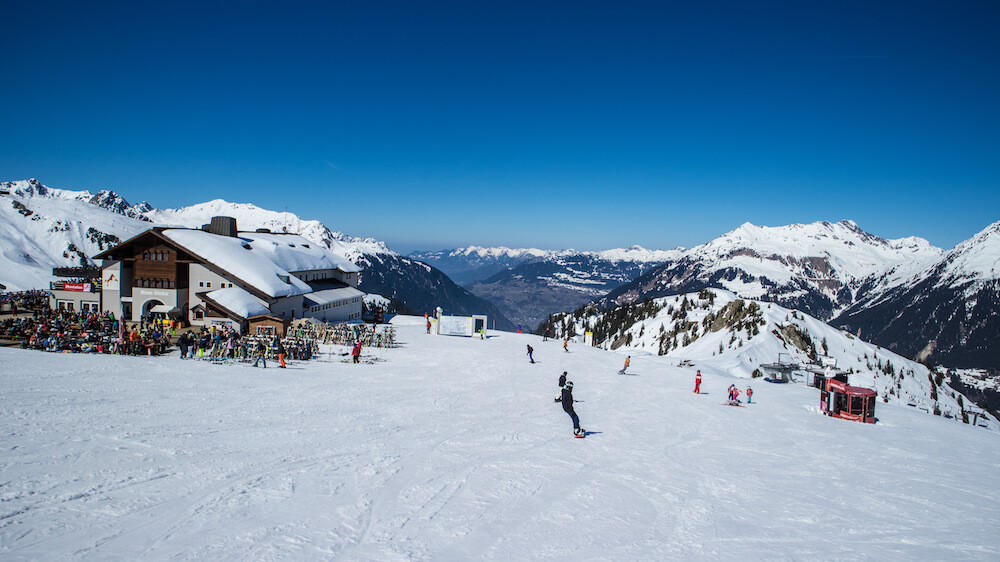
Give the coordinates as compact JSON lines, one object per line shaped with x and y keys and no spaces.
{"x":820,"y":268}
{"x":738,"y":335}
{"x":477,"y":263}
{"x":528,"y":284}
{"x":948,"y":313}
{"x":44,"y":228}
{"x":474,"y":263}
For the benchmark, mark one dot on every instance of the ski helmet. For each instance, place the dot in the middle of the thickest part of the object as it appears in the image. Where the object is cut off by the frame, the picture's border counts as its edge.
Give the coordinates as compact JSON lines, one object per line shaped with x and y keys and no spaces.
{"x":569,"y":384}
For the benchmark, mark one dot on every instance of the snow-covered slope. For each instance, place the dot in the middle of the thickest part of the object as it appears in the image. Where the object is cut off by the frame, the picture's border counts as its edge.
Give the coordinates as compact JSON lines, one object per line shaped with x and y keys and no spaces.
{"x":413,"y":457}
{"x":738,"y":335}
{"x":43,"y":228}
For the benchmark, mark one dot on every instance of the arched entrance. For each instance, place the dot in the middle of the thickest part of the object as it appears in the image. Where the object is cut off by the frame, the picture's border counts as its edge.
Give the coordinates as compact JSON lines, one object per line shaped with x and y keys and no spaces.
{"x":147,"y":310}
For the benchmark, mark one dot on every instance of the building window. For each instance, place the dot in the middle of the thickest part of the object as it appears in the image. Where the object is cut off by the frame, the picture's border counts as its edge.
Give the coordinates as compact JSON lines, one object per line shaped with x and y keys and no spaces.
{"x":201,"y":283}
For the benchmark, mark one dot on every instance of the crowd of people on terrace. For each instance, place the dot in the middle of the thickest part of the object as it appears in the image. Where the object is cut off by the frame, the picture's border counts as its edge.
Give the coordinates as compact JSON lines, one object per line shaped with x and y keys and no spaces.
{"x":48,"y":329}
{"x":27,"y":320}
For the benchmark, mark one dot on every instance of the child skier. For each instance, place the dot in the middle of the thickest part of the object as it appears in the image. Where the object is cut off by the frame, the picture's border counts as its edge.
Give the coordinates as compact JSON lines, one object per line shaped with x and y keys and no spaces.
{"x":749,"y":395}
{"x":697,"y":382}
{"x":567,"y":404}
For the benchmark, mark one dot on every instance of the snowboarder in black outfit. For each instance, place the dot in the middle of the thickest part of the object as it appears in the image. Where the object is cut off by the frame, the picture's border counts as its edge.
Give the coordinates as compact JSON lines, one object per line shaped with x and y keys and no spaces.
{"x":530,"y":351}
{"x":567,"y":404}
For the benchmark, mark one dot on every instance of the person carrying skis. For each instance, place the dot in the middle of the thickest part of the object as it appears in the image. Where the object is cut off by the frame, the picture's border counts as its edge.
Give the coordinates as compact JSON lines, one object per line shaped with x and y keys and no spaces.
{"x":567,"y":404}
{"x":749,"y":395}
{"x":530,"y":351}
{"x":562,"y":383}
{"x":697,"y":382}
{"x":627,"y":359}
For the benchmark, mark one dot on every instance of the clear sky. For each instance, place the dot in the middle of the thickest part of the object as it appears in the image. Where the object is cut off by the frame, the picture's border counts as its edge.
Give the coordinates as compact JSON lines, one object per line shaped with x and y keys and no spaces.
{"x":589,"y":125}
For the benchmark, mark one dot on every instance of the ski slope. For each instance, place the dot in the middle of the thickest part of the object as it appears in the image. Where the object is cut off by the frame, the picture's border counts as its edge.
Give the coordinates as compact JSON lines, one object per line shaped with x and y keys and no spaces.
{"x":452,"y":449}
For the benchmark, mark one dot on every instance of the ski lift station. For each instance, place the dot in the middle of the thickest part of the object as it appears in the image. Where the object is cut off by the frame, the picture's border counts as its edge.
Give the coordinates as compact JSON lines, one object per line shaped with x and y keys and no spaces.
{"x":781,"y":371}
{"x":840,"y":400}
{"x":837,"y":398}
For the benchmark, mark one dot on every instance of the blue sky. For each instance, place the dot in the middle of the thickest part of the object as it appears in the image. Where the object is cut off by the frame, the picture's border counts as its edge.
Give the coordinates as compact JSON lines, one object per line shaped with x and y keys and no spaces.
{"x":589,"y":125}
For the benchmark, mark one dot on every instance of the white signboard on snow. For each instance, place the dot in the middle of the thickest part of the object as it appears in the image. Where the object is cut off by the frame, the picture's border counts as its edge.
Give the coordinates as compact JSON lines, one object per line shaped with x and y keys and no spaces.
{"x":455,"y":325}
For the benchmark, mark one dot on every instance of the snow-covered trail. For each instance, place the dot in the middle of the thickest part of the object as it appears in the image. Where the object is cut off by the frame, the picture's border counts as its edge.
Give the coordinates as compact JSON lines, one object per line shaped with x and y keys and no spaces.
{"x":452,"y":448}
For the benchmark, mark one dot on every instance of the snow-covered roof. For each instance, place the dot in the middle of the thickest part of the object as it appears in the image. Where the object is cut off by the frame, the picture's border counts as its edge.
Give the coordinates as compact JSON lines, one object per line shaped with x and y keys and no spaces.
{"x":297,"y":253}
{"x":262,"y":260}
{"x":327,"y":296}
{"x":238,"y":302}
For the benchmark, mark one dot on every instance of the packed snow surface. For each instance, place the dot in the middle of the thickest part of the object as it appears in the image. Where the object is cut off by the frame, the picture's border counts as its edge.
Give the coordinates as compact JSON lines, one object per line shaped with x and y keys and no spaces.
{"x":452,"y":449}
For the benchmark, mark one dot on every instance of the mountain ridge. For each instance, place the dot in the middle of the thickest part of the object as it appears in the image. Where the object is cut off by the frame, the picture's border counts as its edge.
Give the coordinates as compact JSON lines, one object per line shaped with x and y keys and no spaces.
{"x":38,"y":234}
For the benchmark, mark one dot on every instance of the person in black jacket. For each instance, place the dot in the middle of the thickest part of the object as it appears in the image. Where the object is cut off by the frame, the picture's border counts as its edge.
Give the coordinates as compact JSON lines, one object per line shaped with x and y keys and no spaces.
{"x":530,"y":351}
{"x":567,"y":404}
{"x":562,"y":383}
{"x":183,"y":343}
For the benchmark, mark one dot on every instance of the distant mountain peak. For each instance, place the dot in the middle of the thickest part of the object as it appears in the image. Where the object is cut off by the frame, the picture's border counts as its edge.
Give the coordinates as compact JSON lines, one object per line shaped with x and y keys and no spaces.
{"x":978,"y":258}
{"x":115,"y":203}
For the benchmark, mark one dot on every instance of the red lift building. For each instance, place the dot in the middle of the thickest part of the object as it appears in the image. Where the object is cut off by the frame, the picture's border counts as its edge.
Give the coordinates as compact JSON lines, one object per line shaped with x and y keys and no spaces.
{"x":840,"y":400}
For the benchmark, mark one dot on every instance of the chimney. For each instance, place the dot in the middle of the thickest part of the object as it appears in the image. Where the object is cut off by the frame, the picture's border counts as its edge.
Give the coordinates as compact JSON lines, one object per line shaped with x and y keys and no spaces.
{"x":223,"y":226}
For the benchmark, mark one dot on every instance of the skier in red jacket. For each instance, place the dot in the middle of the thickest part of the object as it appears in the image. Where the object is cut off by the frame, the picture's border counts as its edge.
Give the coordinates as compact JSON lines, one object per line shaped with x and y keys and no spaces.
{"x":697,"y":382}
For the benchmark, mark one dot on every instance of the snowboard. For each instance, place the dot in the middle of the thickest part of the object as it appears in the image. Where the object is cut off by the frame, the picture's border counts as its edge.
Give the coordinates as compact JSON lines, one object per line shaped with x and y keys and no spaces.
{"x":581,"y":435}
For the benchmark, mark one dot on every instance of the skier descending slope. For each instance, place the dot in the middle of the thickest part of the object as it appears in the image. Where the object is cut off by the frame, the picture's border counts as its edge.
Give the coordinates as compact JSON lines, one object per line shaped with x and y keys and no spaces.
{"x":562,"y":383}
{"x":567,"y":404}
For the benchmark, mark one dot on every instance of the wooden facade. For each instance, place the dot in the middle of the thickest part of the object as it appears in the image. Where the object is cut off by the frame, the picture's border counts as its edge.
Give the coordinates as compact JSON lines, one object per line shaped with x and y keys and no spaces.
{"x":267,"y":323}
